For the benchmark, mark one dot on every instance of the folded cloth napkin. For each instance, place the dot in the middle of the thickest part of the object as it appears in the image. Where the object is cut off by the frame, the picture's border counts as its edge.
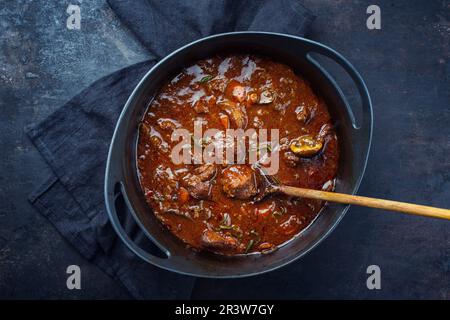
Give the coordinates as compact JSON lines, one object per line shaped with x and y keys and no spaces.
{"x":74,"y":140}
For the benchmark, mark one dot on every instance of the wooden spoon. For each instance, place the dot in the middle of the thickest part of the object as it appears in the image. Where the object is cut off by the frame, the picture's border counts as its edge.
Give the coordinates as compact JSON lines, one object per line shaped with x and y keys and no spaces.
{"x":270,"y":185}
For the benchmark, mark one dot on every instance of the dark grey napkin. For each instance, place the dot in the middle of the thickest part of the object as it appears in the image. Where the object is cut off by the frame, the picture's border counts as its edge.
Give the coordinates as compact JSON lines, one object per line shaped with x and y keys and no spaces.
{"x":165,"y":25}
{"x":75,"y":139}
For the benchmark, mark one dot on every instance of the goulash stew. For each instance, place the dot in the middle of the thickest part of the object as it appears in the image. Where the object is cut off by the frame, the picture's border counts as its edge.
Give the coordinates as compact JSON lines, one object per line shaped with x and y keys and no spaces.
{"x":211,"y":206}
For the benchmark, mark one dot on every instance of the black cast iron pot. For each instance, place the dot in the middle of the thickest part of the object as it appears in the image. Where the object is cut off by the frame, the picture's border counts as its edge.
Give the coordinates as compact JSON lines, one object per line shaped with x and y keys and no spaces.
{"x":121,"y":181}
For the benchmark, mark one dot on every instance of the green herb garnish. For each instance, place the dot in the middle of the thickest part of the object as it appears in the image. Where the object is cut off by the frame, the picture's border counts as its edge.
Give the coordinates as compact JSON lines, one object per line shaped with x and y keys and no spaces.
{"x":205,"y":79}
{"x":267,"y":147}
{"x":224,"y":227}
{"x":256,"y":235}
{"x":280,"y":212}
{"x":158,"y":197}
{"x":275,"y":179}
{"x":226,"y":220}
{"x":249,"y":245}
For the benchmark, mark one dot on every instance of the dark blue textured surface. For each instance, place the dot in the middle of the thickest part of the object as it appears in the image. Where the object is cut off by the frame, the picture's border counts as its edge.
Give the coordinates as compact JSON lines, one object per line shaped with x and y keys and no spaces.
{"x":406,"y":67}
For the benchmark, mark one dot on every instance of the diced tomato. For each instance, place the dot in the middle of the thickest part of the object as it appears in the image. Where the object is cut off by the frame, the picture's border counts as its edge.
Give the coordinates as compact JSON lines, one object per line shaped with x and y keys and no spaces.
{"x":183,"y":195}
{"x":224,"y":120}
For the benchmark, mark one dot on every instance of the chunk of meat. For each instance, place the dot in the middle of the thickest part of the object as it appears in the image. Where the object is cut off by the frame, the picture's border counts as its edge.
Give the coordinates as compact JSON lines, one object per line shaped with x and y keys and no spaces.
{"x":325,"y":130}
{"x":199,"y":183}
{"x":266,"y":97}
{"x":236,"y":91}
{"x":291,"y":159}
{"x":217,"y":85}
{"x":216,"y":240}
{"x":206,"y":171}
{"x":201,"y":106}
{"x":238,"y":181}
{"x":236,"y":113}
{"x":302,"y":113}
{"x":197,"y":188}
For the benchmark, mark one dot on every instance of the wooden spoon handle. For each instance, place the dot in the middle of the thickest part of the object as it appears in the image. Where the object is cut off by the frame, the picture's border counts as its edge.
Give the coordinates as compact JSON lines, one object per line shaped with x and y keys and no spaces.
{"x":367,"y":202}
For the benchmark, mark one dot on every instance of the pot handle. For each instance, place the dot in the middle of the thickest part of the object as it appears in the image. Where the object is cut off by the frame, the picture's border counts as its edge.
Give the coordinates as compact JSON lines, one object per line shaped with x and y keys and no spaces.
{"x":111,"y":193}
{"x":367,"y":113}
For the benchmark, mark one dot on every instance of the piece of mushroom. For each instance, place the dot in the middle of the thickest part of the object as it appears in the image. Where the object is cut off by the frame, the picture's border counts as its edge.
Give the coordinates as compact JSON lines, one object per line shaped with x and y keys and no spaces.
{"x":306,"y":145}
{"x":216,"y":240}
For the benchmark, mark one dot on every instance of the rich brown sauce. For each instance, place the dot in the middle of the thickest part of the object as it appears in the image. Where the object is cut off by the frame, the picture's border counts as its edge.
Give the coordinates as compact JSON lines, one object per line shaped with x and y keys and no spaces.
{"x":202,"y":205}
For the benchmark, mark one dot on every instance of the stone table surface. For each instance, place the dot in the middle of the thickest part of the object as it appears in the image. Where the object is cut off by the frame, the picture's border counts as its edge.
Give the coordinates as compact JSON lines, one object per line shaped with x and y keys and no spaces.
{"x":407,"y":69}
